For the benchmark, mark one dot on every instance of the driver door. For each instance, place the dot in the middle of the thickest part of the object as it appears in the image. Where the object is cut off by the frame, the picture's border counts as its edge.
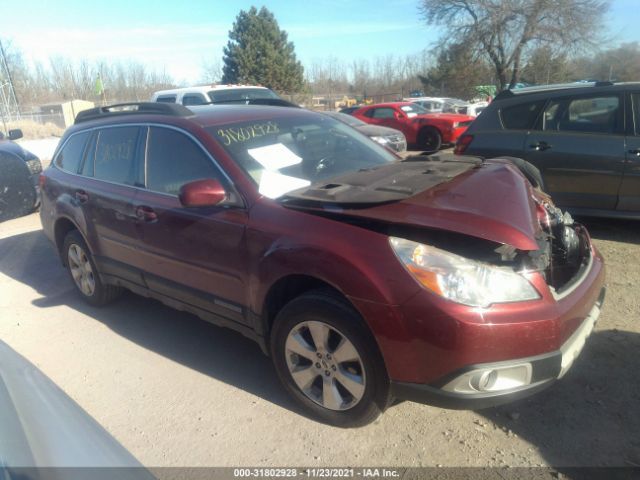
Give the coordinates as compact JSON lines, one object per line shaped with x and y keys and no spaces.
{"x":197,"y":255}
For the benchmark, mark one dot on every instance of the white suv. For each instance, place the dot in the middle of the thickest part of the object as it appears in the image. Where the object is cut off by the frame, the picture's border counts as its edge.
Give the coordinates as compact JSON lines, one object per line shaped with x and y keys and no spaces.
{"x":203,"y":95}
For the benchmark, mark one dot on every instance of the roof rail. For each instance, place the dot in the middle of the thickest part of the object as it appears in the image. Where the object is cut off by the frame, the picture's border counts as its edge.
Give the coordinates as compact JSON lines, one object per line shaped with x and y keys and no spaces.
{"x":133,"y":108}
{"x":543,"y":88}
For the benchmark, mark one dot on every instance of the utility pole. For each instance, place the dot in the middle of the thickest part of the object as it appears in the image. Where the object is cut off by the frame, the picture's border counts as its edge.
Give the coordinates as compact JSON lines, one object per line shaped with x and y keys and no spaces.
{"x":9,"y":106}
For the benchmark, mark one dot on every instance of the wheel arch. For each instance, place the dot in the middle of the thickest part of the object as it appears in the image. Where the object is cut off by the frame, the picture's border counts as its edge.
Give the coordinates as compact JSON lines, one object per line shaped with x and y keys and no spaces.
{"x":61,"y":229}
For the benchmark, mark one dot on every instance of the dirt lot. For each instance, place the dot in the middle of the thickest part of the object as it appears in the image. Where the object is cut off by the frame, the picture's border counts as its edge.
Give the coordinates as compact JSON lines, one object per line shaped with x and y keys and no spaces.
{"x":177,"y":391}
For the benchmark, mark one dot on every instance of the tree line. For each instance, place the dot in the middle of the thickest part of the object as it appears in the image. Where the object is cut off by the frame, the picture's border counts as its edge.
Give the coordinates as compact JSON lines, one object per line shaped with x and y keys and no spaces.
{"x":484,"y":42}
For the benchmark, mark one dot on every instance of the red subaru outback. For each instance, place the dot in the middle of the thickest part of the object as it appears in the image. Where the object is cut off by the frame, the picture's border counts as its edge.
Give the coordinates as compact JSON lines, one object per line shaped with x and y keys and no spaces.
{"x":447,"y":280}
{"x":425,"y":130}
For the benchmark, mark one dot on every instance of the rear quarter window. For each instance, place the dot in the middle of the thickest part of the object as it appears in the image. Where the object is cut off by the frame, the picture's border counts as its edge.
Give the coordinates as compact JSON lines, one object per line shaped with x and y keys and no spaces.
{"x":521,"y":116}
{"x":70,"y":156}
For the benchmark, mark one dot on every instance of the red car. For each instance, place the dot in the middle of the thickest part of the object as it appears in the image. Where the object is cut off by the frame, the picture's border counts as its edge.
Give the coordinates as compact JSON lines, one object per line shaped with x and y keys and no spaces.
{"x":427,"y":131}
{"x":443,"y":279}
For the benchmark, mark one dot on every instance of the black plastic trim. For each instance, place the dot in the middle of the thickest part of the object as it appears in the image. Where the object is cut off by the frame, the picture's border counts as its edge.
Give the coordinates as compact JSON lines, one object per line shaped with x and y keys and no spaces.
{"x":544,"y":367}
{"x":430,"y":395}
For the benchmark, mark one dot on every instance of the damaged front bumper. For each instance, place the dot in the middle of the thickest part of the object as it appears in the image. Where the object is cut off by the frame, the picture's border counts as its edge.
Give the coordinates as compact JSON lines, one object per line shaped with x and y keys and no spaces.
{"x":485,"y":385}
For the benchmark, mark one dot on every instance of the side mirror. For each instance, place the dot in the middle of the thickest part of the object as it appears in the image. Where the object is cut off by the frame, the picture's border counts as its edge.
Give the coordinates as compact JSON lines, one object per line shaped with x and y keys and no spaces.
{"x":15,"y":134}
{"x":398,"y":115}
{"x":202,"y":193}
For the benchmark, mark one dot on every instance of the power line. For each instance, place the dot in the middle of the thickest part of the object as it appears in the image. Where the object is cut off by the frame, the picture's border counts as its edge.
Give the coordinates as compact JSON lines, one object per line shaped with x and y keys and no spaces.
{"x":9,"y":106}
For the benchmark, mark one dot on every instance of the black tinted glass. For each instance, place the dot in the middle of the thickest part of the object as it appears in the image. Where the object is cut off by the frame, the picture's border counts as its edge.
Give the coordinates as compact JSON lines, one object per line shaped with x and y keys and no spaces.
{"x":586,"y":115}
{"x":522,"y":116}
{"x":383,"y":113}
{"x":173,"y":159}
{"x":193,"y":99}
{"x":115,"y":154}
{"x":167,"y":99}
{"x":70,"y":156}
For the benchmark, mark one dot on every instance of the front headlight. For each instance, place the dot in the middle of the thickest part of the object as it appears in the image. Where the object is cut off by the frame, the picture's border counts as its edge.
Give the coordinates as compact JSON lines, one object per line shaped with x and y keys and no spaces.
{"x":460,"y":279}
{"x":380,"y":140}
{"x":456,"y":124}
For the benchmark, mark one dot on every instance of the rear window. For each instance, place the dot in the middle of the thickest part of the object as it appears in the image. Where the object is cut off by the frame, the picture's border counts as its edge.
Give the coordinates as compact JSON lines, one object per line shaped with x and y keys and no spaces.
{"x":521,"y":116}
{"x":240,"y":94}
{"x":70,"y":156}
{"x":166,"y":99}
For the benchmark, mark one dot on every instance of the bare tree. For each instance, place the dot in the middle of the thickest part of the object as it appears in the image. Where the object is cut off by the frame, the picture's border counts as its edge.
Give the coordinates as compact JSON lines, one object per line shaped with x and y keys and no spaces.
{"x":504,"y":31}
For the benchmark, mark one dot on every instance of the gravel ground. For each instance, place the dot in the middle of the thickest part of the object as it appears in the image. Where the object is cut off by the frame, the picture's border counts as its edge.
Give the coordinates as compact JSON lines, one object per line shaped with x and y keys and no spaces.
{"x":177,"y":391}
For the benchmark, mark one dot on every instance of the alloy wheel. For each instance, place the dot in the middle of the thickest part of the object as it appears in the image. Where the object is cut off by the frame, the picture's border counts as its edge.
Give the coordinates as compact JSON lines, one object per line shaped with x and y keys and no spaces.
{"x":81,"y":269}
{"x":325,"y":365}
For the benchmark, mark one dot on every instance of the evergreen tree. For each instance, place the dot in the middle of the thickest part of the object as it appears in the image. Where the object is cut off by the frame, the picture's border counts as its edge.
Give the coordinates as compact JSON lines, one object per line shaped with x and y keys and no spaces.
{"x":258,"y":52}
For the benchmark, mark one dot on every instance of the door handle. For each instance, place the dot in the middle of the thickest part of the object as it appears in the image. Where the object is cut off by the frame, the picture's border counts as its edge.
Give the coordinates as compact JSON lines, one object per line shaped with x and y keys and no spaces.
{"x":540,"y":146}
{"x":146,"y":214}
{"x":81,"y":196}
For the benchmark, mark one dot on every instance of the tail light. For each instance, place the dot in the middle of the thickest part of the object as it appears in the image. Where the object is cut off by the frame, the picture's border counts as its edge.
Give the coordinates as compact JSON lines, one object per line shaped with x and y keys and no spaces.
{"x":42,"y":180}
{"x":463,"y":142}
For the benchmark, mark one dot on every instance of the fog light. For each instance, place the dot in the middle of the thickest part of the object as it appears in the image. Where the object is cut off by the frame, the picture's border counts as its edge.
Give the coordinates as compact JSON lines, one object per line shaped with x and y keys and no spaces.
{"x":497,"y":379}
{"x":484,"y":381}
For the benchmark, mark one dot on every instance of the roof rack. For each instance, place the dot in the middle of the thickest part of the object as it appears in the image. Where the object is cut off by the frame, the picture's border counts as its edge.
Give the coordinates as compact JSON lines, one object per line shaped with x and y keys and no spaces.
{"x":134,"y":108}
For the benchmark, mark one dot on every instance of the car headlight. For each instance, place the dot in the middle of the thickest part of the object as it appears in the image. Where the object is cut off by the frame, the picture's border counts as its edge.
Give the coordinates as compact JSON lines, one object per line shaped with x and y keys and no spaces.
{"x":456,"y":124}
{"x":460,"y":279}
{"x":380,"y":140}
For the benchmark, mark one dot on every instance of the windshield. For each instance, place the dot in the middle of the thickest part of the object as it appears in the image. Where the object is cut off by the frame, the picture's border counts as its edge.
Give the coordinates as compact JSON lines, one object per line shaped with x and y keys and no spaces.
{"x":285,"y":154}
{"x":413,"y":110}
{"x":240,"y":94}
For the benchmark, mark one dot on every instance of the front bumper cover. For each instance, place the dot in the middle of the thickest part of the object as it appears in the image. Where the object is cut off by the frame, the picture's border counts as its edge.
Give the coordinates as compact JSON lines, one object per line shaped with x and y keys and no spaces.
{"x":546,"y":369}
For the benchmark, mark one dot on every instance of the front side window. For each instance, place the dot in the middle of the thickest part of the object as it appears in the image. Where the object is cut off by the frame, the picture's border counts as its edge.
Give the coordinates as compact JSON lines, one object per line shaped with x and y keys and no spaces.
{"x":521,"y":116}
{"x":284,"y":154}
{"x":173,"y":159}
{"x":70,"y":156}
{"x":585,"y":115}
{"x":166,"y":99}
{"x":383,"y":113}
{"x":115,"y":154}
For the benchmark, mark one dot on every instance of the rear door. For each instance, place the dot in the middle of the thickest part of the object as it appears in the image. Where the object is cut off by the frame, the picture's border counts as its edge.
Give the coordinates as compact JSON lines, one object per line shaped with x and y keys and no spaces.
{"x":110,"y":175}
{"x":629,"y":197}
{"x":194,"y":254}
{"x":580,"y":150}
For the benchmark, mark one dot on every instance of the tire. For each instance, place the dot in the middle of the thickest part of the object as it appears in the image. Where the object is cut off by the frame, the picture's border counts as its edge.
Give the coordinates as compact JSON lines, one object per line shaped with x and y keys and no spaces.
{"x":429,"y":140}
{"x":364,"y":395}
{"x":530,"y":171}
{"x":84,"y":273}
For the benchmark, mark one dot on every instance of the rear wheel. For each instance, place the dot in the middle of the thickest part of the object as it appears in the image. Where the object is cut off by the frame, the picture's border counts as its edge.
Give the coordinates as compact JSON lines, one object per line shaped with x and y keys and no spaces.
{"x":327,"y":360}
{"x":84,"y":273}
{"x":430,"y":140}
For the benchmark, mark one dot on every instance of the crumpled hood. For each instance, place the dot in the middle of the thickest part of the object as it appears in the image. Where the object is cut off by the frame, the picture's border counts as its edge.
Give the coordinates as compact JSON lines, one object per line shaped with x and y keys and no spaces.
{"x":492,"y":200}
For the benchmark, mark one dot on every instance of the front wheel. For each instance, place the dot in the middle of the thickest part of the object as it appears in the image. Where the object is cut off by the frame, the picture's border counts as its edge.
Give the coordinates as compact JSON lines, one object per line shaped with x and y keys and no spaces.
{"x":430,"y":140}
{"x":327,"y":360}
